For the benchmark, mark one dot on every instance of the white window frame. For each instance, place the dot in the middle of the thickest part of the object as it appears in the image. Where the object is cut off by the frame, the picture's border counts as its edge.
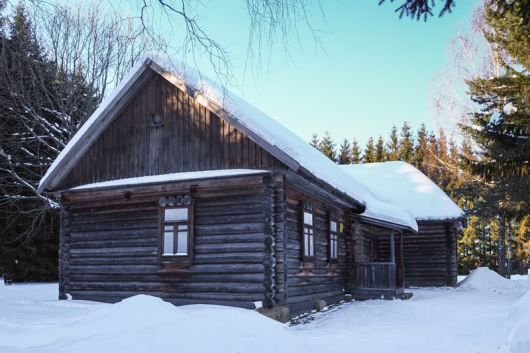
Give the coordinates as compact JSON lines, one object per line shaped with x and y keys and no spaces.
{"x":308,"y":234}
{"x":176,"y":230}
{"x":334,"y":231}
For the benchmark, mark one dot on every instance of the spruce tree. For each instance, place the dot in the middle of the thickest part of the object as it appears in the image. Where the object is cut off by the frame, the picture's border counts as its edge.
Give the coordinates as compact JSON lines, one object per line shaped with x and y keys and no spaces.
{"x":392,"y":147}
{"x":35,"y":126}
{"x":406,"y":144}
{"x":420,"y":149}
{"x":344,"y":152}
{"x":501,"y":129}
{"x":369,"y":152}
{"x":356,"y":153}
{"x":315,"y":142}
{"x":380,"y":153}
{"x":327,"y":146}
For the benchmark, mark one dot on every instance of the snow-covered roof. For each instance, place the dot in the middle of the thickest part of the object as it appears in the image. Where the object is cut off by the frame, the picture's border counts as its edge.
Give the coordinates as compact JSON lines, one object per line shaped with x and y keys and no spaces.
{"x":173,"y":177}
{"x":273,"y":136}
{"x":402,"y":184}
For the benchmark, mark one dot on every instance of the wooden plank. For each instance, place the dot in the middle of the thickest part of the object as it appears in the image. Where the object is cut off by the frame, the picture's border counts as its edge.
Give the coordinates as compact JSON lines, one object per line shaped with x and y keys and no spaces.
{"x":216,"y":146}
{"x":65,"y":166}
{"x":181,"y":137}
{"x":196,"y":142}
{"x":188,"y":111}
{"x":233,"y":147}
{"x":226,"y":116}
{"x":209,"y":150}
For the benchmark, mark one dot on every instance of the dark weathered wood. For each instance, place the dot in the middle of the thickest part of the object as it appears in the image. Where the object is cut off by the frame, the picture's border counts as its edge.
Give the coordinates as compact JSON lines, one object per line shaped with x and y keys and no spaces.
{"x":430,"y":255}
{"x":114,"y":247}
{"x":132,"y":146}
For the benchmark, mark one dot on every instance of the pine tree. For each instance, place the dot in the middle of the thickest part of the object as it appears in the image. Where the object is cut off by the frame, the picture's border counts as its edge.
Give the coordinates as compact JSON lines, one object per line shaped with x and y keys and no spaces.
{"x":369,"y":151}
{"x":392,"y":146}
{"x":380,"y":153}
{"x":344,"y":152}
{"x":327,"y":147}
{"x":356,"y":153}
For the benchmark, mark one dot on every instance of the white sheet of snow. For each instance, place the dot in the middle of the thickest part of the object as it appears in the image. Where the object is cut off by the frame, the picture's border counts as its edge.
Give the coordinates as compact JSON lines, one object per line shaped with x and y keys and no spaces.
{"x":402,"y":184}
{"x":435,"y":320}
{"x":519,"y":338}
{"x":153,"y":179}
{"x":137,"y":324}
{"x":261,"y":124}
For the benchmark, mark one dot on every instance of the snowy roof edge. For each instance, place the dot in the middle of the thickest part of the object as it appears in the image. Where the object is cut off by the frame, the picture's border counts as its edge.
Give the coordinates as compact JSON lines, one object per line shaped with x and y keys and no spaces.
{"x":172,"y":177}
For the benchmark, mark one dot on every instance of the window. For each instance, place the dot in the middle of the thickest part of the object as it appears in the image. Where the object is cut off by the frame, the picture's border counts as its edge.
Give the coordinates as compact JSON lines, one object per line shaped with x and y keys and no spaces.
{"x":175,"y":226}
{"x":176,"y":231}
{"x":333,"y":240}
{"x":308,"y":230}
{"x":309,"y":234}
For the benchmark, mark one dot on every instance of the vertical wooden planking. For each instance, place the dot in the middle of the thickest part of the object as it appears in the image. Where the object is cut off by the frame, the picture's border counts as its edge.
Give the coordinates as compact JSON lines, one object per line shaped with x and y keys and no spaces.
{"x":251,"y":154}
{"x":172,"y":149}
{"x":153,"y":153}
{"x":214,"y":152}
{"x":130,"y":141}
{"x":259,"y":150}
{"x":194,"y":149}
{"x":244,"y":157}
{"x":111,"y":148}
{"x":143,"y":148}
{"x":226,"y":145}
{"x":181,"y":137}
{"x":121,"y":129}
{"x":202,"y":136}
{"x":162,"y":107}
{"x":272,"y":160}
{"x":190,"y":138}
{"x":209,"y":150}
{"x":264,"y":158}
{"x":233,"y":147}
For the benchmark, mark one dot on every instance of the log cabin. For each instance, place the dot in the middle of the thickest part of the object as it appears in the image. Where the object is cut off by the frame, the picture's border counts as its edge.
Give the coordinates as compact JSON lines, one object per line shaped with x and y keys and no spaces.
{"x":430,"y":254}
{"x":178,"y":189}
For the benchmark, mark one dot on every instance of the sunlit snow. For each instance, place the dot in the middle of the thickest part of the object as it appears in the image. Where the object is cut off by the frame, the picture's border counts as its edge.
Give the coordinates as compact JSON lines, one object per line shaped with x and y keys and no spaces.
{"x":486,"y":314}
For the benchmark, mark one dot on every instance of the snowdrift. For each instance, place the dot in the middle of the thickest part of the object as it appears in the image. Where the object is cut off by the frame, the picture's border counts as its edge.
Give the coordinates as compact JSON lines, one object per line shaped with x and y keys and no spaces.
{"x":484,"y":278}
{"x":519,"y":338}
{"x":147,"y":324}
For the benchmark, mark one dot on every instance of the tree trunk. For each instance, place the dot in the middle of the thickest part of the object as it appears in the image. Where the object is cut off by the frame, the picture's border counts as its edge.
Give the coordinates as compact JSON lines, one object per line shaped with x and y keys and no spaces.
{"x":509,"y":265}
{"x":502,"y":246}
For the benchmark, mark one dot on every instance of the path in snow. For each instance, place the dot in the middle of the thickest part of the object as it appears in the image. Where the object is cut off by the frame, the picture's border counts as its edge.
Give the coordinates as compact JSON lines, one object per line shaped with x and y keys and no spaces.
{"x":434,"y":320}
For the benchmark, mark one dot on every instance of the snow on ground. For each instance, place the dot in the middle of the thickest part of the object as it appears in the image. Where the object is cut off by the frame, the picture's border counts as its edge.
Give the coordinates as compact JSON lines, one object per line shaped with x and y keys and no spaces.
{"x":485,"y":314}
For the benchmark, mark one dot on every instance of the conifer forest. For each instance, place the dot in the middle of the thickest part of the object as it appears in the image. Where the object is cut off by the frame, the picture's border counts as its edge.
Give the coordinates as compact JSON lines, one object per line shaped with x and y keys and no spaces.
{"x":56,"y":68}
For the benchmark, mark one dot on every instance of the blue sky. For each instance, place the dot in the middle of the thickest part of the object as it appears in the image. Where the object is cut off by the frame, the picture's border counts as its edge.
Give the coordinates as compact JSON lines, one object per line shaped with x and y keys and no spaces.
{"x":372,"y":71}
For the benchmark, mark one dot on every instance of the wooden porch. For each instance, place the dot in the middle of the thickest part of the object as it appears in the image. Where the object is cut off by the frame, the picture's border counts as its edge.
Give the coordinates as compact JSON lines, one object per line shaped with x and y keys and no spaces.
{"x":381,"y":279}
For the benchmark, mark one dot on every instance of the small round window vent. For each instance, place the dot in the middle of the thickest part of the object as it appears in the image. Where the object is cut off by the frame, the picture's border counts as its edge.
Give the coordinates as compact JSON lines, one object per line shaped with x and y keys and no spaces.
{"x":157,"y":119}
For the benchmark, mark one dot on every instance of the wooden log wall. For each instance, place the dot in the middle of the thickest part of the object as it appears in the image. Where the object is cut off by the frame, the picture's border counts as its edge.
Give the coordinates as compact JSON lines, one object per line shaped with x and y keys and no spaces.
{"x":318,"y":278}
{"x":190,"y":138}
{"x":362,"y":235}
{"x":64,"y":251}
{"x":430,"y":256}
{"x":114,"y":243}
